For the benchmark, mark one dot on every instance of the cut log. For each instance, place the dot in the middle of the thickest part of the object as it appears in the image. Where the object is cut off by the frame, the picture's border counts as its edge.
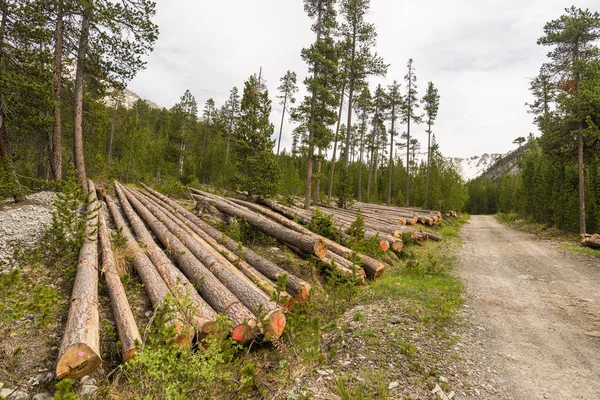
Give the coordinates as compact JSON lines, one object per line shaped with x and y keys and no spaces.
{"x":210,"y":288}
{"x":155,"y":287}
{"x":244,"y":289}
{"x":203,"y":316}
{"x":372,"y":267}
{"x":592,"y":241}
{"x":79,"y":352}
{"x":307,"y":244}
{"x":295,"y":286}
{"x":223,"y":255}
{"x":127,"y":329}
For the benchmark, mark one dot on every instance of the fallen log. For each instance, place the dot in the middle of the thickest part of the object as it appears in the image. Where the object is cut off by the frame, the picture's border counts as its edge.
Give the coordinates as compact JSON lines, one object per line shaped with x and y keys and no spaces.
{"x":79,"y":351}
{"x":592,"y":241}
{"x":295,"y":286}
{"x":222,"y":254}
{"x":372,"y":267}
{"x":155,"y":287}
{"x":238,"y":284}
{"x":308,"y":244}
{"x":127,"y":329}
{"x":203,"y":317}
{"x":211,"y":289}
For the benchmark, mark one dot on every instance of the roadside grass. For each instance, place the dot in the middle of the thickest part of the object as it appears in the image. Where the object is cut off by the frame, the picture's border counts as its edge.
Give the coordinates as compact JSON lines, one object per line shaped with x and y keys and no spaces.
{"x":569,"y":241}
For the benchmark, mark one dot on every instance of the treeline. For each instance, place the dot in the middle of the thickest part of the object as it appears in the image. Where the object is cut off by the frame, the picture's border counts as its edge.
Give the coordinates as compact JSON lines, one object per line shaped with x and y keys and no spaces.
{"x":559,"y":179}
{"x":66,"y":92}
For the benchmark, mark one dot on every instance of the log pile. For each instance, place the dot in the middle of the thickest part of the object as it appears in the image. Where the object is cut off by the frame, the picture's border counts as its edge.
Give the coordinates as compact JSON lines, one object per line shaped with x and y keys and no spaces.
{"x":176,"y":255}
{"x":592,"y":241}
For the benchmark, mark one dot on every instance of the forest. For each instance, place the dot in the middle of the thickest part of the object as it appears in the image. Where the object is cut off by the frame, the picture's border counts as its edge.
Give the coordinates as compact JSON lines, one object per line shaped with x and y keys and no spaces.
{"x":65,"y":64}
{"x":559,"y":179}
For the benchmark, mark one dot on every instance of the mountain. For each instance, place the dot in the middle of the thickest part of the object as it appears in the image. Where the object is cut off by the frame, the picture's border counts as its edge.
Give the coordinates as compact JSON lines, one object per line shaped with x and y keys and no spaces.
{"x":128,"y":99}
{"x":472,"y":167}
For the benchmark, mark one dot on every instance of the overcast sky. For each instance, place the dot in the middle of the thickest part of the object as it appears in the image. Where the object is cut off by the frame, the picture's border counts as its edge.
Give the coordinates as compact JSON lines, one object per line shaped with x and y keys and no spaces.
{"x":479,"y":53}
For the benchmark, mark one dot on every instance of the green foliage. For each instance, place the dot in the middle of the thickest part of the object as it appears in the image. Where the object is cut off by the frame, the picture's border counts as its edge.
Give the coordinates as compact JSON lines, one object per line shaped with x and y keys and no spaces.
{"x":323,"y":224}
{"x":357,"y":228}
{"x":64,"y":390}
{"x":257,"y":171}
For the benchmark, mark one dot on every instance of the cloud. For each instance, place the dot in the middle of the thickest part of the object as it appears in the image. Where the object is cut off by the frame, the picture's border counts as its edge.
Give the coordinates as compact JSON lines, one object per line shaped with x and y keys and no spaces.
{"x":479,"y":54}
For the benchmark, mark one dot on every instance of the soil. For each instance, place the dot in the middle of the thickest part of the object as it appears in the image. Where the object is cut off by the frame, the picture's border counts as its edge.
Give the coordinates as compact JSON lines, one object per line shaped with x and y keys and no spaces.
{"x":534,"y":313}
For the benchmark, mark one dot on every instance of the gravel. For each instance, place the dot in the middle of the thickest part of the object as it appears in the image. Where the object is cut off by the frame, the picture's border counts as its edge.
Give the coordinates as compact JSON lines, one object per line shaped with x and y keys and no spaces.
{"x":25,"y":222}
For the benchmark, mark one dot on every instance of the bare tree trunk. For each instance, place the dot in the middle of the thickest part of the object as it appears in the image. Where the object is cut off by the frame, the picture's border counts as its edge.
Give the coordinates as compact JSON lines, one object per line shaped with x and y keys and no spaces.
{"x":318,"y":180}
{"x":79,"y":351}
{"x":113,"y":126}
{"x":182,"y":150}
{"x":582,"y":229}
{"x":351,"y":79}
{"x":282,"y":119}
{"x":78,"y":155}
{"x":56,"y":141}
{"x":337,"y":133}
{"x":388,"y":200}
{"x":426,"y":205}
{"x":360,"y":160}
{"x":371,"y":164}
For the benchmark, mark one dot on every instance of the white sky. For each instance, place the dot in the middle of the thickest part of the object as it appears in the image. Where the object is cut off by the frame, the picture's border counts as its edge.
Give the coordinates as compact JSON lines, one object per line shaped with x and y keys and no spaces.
{"x":480,"y":55}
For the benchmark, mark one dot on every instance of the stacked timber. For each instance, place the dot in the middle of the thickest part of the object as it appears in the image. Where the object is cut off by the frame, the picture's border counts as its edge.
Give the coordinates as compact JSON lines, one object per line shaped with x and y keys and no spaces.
{"x":592,"y":241}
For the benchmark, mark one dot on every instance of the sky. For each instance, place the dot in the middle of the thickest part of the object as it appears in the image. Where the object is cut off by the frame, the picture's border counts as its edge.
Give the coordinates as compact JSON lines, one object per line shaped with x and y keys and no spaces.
{"x":480,"y":54}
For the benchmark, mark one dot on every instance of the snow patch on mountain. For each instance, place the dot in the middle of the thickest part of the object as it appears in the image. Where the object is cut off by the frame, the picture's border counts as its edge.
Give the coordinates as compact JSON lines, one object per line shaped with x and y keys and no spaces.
{"x":472,"y":167}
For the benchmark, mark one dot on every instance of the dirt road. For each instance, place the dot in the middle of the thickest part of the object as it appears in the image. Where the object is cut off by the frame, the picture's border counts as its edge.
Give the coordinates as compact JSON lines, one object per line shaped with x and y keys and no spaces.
{"x":537,"y":311}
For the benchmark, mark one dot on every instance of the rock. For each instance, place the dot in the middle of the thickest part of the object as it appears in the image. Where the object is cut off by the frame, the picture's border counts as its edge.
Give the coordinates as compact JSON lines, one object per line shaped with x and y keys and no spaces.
{"x":443,"y":379}
{"x":88,"y":380}
{"x":6,"y":392}
{"x":87,"y":390}
{"x":13,"y":394}
{"x":43,"y":396}
{"x":148,"y":314}
{"x":393,"y":385}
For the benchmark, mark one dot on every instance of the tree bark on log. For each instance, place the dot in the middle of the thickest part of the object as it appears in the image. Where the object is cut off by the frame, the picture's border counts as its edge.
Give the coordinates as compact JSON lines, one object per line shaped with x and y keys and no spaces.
{"x":222,"y":254}
{"x":79,"y":351}
{"x":295,"y":286}
{"x":246,"y":291}
{"x":592,"y":241}
{"x":126,"y":326}
{"x":155,"y":287}
{"x":211,"y":289}
{"x":308,"y":244}
{"x":204,"y":317}
{"x":372,"y":267}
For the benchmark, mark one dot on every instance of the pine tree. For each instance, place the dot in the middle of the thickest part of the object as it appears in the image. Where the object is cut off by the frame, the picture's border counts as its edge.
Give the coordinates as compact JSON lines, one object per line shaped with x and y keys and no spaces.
{"x":287,"y":90}
{"x":409,"y":115}
{"x":364,"y":106}
{"x":257,"y":170}
{"x":188,"y":108}
{"x":573,"y":37}
{"x":380,"y":108}
{"x":317,"y":109}
{"x":395,"y":104}
{"x":232,"y":107}
{"x":431,"y":102}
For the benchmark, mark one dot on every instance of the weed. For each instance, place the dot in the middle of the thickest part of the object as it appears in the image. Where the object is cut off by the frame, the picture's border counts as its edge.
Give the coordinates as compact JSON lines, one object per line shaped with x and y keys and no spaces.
{"x":64,"y":390}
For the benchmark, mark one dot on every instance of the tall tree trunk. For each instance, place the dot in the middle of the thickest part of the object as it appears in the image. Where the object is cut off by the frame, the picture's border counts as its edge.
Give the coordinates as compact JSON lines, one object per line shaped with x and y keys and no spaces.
{"x":371,"y":164}
{"x":426,"y":206}
{"x":311,"y":127}
{"x":318,"y":180}
{"x":282,"y":119}
{"x":182,"y":150}
{"x":351,"y":79}
{"x":202,"y":167}
{"x":56,"y":140}
{"x":388,"y":200}
{"x":113,"y":126}
{"x":582,"y":229}
{"x":360,"y":161}
{"x":335,"y":142}
{"x":78,"y":102}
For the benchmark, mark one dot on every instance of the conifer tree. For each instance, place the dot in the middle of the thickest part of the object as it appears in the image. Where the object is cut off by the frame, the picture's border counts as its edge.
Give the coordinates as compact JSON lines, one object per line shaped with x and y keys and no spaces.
{"x":574,"y":39}
{"x":188,"y":108}
{"x":363,"y":105}
{"x":287,"y":89}
{"x":380,"y":108}
{"x":409,"y":115}
{"x":232,"y":109}
{"x":431,"y":102}
{"x":257,"y":170}
{"x":395,"y":103}
{"x":317,"y":109}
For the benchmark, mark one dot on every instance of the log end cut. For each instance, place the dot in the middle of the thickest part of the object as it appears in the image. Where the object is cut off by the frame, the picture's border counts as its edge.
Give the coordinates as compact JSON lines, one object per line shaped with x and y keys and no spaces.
{"x":320,"y":249}
{"x":397,"y":246}
{"x":130,"y":354}
{"x":275,"y":325}
{"x":245,"y":332}
{"x":302,"y":295}
{"x":384,"y":245}
{"x":77,"y":361}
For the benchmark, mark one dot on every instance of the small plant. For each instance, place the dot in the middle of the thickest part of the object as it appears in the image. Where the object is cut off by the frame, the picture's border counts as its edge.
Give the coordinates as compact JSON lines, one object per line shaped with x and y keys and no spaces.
{"x":64,"y":390}
{"x":358,"y":316}
{"x":323,"y":224}
{"x":357,"y":228}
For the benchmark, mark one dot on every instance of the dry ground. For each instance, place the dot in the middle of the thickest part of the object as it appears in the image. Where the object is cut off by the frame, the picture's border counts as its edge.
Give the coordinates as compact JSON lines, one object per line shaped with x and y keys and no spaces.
{"x":535,"y":315}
